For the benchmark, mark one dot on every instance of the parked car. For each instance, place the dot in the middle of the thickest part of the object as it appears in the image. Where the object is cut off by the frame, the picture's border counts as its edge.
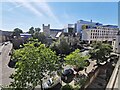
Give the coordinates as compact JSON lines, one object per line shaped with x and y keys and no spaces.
{"x":12,"y":63}
{"x":67,"y":75}
{"x":48,"y":83}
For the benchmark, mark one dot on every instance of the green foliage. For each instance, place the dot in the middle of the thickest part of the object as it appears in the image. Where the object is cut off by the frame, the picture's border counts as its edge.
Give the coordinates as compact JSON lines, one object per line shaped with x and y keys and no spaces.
{"x":31,"y":30}
{"x":67,"y":87}
{"x":34,"y":63}
{"x":76,"y":59}
{"x":41,"y":37}
{"x":84,"y":27}
{"x":101,"y":52}
{"x":37,"y":30}
{"x":17,"y":32}
{"x":61,"y":46}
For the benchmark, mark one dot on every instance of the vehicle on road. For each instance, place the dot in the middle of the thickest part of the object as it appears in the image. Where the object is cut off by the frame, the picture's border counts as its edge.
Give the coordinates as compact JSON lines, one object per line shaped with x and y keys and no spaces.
{"x":67,"y":75}
{"x":12,"y":63}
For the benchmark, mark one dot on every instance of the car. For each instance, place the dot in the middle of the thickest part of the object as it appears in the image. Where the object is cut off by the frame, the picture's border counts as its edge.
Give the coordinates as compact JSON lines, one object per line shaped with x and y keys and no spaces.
{"x":67,"y":75}
{"x":48,"y":83}
{"x":12,"y":63}
{"x":67,"y":72}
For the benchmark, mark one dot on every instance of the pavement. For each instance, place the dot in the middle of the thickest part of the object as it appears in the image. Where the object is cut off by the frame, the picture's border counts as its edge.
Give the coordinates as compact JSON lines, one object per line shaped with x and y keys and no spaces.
{"x":117,"y":81}
{"x":5,"y":71}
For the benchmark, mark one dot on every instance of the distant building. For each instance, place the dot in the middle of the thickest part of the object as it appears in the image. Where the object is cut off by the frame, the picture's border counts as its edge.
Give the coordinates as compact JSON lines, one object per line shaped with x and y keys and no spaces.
{"x":5,"y":36}
{"x":51,"y":32}
{"x":25,"y":35}
{"x":90,"y":23}
{"x":100,"y":33}
{"x":69,"y":28}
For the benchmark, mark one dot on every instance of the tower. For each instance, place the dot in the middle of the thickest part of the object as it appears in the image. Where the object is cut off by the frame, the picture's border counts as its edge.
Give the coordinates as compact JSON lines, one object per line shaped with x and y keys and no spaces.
{"x":46,"y":29}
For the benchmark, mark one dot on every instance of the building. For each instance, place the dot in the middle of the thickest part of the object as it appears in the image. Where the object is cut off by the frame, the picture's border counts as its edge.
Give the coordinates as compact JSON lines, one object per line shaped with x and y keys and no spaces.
{"x":5,"y":36}
{"x":80,"y":24}
{"x":117,"y":43}
{"x":100,"y":33}
{"x":70,"y":28}
{"x":51,"y":32}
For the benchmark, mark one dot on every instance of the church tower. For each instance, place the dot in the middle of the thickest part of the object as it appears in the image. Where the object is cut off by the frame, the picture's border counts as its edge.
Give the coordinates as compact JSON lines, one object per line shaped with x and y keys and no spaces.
{"x":46,"y":29}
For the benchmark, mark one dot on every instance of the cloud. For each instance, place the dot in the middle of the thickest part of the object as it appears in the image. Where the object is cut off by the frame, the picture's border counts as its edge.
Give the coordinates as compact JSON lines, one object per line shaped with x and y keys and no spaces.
{"x":47,"y":10}
{"x":28,"y":5}
{"x":42,"y":10}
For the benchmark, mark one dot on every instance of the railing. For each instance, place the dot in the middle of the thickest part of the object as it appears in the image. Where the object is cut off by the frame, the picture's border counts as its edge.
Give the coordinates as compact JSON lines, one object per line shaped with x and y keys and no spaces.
{"x":111,"y":83}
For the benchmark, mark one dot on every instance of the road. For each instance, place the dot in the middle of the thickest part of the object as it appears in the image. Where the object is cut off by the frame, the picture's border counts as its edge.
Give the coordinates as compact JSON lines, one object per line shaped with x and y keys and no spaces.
{"x":5,"y":71}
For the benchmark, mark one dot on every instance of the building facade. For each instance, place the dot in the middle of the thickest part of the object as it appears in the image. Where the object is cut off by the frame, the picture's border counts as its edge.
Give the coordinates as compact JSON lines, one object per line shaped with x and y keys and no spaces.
{"x":117,"y":43}
{"x":102,"y":33}
{"x":51,"y":32}
{"x":5,"y":36}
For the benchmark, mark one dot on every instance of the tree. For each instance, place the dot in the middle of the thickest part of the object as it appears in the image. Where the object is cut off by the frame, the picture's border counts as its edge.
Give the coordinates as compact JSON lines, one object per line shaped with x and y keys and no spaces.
{"x":101,"y":52}
{"x":67,"y":87}
{"x":35,"y":62}
{"x":37,"y":30}
{"x":84,"y":27}
{"x":17,"y":32}
{"x":31,"y":30}
{"x":41,"y":37}
{"x":61,"y":47}
{"x":76,"y":59}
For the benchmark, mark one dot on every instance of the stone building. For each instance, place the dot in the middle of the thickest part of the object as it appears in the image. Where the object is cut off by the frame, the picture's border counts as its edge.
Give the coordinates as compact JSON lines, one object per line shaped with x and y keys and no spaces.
{"x":51,"y":32}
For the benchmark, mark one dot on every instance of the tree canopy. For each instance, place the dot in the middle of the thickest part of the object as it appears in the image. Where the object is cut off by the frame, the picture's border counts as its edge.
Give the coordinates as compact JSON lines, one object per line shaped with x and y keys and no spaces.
{"x":76,"y":59}
{"x":101,"y":52}
{"x":35,"y":61}
{"x":31,"y":31}
{"x":61,"y":46}
{"x":17,"y":32}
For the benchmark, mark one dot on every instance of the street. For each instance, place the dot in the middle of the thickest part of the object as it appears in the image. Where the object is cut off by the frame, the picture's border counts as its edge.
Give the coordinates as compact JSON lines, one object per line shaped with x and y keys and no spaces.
{"x":5,"y":71}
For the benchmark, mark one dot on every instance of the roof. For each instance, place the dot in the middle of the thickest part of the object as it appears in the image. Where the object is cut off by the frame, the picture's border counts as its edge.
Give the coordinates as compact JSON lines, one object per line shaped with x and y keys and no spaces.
{"x":89,"y":22}
{"x":25,"y":34}
{"x":56,"y":30}
{"x":58,"y":34}
{"x":110,"y":26}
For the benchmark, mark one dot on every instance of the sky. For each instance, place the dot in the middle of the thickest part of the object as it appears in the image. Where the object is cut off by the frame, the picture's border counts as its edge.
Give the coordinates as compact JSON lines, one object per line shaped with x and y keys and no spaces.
{"x":24,"y":15}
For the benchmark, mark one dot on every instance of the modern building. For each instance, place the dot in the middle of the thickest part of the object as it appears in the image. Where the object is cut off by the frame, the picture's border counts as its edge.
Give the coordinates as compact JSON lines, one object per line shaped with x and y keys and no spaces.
{"x":70,"y":28}
{"x":100,"y":33}
{"x":51,"y":32}
{"x":80,"y":23}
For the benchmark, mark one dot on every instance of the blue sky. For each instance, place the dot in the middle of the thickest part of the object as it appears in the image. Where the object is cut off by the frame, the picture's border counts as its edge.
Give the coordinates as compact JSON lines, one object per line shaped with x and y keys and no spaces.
{"x":27,"y":14}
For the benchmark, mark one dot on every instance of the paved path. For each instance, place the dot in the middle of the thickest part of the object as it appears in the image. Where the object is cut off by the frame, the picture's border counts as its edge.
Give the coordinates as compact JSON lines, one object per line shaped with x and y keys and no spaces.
{"x":5,"y":71}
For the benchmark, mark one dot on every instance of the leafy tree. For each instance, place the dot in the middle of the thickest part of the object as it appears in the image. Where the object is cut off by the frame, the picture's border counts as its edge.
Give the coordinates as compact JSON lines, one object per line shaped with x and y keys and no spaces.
{"x":101,"y":52}
{"x":37,"y":30}
{"x":67,"y":87}
{"x":41,"y":37}
{"x":61,"y":46}
{"x":84,"y":27}
{"x":76,"y":59}
{"x":17,"y":32}
{"x":35,"y":62}
{"x":31,"y":30}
